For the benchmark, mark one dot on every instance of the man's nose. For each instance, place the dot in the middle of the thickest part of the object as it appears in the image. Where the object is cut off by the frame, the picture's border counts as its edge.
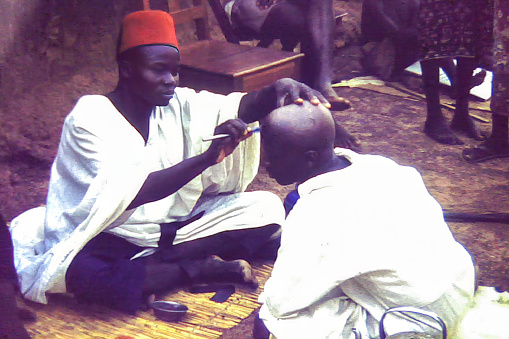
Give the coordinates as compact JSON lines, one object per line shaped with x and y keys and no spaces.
{"x":170,"y":78}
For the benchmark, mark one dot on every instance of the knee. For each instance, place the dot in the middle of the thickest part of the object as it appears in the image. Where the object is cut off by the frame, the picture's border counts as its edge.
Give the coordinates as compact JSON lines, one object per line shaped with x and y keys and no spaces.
{"x":269,"y":205}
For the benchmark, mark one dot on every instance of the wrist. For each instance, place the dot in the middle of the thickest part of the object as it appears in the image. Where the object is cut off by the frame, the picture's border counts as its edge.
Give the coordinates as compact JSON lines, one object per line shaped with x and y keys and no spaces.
{"x":256,"y":105}
{"x":209,"y":158}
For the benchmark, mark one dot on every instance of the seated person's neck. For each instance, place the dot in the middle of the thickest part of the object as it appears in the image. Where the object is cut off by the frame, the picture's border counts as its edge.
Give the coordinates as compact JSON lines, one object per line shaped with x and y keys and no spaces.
{"x":335,"y":163}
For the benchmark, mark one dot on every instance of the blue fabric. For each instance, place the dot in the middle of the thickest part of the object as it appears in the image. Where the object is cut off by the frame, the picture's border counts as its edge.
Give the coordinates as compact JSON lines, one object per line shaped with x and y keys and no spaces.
{"x":102,"y":272}
{"x":290,"y":200}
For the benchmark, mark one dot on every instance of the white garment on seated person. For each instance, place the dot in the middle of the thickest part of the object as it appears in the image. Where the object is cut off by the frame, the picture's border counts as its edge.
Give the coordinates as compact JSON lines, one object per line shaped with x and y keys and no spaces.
{"x":101,"y":164}
{"x":359,"y":241}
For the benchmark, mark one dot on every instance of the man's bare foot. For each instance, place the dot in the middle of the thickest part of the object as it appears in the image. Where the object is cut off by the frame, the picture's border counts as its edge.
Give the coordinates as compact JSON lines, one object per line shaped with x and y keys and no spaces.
{"x":344,"y":139}
{"x":490,"y":149}
{"x":236,"y":271}
{"x":466,"y":126}
{"x":337,"y":103}
{"x":438,"y":131}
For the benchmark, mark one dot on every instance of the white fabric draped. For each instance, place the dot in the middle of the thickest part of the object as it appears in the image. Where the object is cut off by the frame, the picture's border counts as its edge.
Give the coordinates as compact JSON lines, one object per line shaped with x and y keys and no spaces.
{"x":101,"y":164}
{"x":359,"y":241}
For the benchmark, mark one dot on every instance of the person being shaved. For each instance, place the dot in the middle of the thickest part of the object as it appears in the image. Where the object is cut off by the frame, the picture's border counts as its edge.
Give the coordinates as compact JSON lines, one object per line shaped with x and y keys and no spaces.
{"x":139,"y":201}
{"x":365,"y":235}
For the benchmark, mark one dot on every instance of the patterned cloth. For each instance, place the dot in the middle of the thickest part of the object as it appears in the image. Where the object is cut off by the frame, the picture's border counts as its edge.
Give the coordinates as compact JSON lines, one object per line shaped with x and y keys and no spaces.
{"x":456,"y":28}
{"x":500,"y":97}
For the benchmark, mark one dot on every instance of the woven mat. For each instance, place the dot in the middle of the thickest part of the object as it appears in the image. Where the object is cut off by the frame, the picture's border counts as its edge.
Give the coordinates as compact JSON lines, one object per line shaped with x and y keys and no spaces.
{"x":62,"y":317}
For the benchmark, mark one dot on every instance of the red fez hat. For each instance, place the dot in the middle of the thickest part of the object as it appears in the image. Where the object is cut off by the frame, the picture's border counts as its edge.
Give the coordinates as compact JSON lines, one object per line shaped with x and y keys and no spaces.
{"x":149,"y":27}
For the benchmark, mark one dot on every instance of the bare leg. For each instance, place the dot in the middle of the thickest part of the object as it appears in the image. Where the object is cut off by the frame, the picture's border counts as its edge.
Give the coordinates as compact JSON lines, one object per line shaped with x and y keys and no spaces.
{"x":449,"y":68}
{"x":164,"y":276}
{"x":286,"y":21}
{"x":436,"y":125}
{"x":215,"y":269}
{"x":462,"y":121}
{"x":317,"y":46}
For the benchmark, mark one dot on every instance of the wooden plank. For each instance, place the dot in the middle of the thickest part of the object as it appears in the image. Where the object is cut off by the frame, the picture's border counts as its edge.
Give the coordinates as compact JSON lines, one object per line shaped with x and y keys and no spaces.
{"x":221,"y":57}
{"x":188,"y":14}
{"x":224,"y":84}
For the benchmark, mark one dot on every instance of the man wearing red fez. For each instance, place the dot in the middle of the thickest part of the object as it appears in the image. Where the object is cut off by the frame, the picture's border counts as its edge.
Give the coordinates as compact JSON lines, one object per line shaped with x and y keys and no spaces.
{"x":138,"y":201}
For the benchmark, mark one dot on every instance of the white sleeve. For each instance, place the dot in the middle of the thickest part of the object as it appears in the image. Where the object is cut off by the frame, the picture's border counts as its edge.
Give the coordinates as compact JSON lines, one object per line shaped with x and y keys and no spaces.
{"x":94,"y":141}
{"x":202,"y":112}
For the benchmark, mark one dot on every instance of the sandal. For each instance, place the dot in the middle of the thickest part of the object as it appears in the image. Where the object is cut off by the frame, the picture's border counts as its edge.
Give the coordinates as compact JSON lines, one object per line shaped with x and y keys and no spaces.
{"x":484,"y":153}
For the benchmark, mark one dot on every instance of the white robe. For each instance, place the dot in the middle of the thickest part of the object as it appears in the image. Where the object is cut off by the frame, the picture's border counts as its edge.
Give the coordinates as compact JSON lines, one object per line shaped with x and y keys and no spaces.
{"x":101,"y":164}
{"x":359,"y":241}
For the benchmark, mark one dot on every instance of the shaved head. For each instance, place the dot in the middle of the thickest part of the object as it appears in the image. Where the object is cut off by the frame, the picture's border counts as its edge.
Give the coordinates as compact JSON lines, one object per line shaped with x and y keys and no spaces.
{"x":303,"y":126}
{"x":298,"y":141}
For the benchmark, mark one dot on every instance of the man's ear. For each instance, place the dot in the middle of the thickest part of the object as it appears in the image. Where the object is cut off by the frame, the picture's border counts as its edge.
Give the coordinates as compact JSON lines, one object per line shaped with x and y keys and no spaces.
{"x":311,"y":157}
{"x":124,"y":69}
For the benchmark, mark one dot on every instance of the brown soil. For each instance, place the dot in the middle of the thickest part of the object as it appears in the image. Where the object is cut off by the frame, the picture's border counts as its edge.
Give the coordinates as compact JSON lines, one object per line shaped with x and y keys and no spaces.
{"x":39,"y":87}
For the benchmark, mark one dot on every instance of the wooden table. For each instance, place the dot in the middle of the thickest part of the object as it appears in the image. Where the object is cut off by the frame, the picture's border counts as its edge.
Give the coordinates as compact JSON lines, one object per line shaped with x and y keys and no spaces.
{"x":222,"y":67}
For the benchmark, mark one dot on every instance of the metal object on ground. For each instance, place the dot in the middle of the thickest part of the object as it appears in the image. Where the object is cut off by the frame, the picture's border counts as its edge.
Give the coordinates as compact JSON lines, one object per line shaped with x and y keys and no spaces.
{"x":168,"y":310}
{"x":413,"y":335}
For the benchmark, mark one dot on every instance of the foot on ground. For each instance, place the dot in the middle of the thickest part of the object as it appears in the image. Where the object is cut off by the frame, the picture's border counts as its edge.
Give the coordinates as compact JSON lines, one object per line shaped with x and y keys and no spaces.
{"x":467,"y":127}
{"x":344,"y":139}
{"x":441,"y":133}
{"x":236,"y":271}
{"x":490,"y":149}
{"x":337,"y":103}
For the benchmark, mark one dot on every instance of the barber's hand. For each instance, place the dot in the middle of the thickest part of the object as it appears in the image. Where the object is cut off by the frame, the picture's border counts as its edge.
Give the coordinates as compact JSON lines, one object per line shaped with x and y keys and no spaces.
{"x":289,"y":91}
{"x":238,"y":131}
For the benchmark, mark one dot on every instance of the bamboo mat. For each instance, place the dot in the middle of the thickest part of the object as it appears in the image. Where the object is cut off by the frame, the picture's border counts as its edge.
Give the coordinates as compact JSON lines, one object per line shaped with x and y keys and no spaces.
{"x":62,"y":317}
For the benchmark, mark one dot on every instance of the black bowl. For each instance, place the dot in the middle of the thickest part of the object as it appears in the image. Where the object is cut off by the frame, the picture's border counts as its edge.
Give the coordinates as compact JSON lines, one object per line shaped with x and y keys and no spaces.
{"x":168,"y":310}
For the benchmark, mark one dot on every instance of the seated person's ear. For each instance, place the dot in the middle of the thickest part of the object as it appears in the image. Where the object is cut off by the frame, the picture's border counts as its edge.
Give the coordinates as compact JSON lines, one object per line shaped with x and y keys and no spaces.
{"x":311,"y":157}
{"x":124,"y":68}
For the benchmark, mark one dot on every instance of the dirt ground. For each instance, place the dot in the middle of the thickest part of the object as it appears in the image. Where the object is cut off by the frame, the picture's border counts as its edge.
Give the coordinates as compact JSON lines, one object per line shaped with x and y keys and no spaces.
{"x":32,"y":114}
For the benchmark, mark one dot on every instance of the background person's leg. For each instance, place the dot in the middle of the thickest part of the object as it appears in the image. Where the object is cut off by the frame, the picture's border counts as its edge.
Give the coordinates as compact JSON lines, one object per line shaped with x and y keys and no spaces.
{"x":436,"y":124}
{"x":316,"y":44}
{"x":462,"y":121}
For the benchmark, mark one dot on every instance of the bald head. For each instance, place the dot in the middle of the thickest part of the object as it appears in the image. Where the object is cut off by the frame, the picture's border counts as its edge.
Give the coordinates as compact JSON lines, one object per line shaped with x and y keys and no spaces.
{"x":298,"y":141}
{"x":303,"y":126}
